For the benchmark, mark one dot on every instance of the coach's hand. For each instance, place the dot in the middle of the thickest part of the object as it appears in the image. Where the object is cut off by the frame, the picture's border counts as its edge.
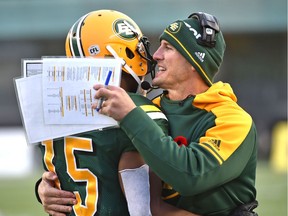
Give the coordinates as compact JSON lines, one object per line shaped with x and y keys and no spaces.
{"x":55,"y":202}
{"x":117,"y":102}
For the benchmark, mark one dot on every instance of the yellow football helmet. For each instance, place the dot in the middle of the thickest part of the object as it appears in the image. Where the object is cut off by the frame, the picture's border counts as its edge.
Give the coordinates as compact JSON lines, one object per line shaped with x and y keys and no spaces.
{"x":109,"y":33}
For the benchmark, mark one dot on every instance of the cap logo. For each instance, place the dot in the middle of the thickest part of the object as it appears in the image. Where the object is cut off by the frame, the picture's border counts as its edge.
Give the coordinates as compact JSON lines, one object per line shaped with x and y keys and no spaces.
{"x":94,"y":50}
{"x":123,"y":30}
{"x":200,"y":56}
{"x":174,"y":27}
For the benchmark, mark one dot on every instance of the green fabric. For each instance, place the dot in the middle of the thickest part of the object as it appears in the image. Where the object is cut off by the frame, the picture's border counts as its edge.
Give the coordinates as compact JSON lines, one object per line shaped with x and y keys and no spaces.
{"x":182,"y":34}
{"x":102,"y":162}
{"x":206,"y":186}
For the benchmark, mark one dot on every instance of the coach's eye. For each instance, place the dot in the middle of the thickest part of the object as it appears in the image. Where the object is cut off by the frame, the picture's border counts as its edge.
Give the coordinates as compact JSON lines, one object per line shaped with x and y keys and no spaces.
{"x":168,"y":47}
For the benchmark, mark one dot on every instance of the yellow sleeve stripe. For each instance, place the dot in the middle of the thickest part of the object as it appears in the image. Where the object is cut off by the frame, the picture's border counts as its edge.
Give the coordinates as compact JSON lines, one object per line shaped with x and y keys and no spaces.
{"x":150,"y":108}
{"x":213,"y":152}
{"x":153,"y":112}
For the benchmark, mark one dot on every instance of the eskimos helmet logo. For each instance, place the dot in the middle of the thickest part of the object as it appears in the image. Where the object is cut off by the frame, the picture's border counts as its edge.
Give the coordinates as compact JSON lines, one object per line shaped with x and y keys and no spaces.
{"x":122,"y":30}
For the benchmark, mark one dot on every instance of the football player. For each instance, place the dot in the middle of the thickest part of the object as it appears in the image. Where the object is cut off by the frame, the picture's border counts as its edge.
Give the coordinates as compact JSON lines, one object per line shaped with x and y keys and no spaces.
{"x":95,"y":165}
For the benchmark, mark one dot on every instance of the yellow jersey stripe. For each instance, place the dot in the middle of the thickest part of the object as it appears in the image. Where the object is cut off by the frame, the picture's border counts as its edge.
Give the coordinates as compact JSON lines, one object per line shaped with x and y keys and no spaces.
{"x":150,"y":108}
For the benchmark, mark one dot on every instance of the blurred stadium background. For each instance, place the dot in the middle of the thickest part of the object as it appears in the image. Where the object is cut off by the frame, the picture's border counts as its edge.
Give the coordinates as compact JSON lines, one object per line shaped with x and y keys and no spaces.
{"x":255,"y":64}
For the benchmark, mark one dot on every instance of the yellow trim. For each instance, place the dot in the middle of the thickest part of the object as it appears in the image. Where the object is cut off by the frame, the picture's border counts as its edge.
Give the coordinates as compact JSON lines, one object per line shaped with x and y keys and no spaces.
{"x":48,"y":158}
{"x":150,"y":108}
{"x":189,"y":56}
{"x":232,"y":124}
{"x":157,"y":101}
{"x":170,"y":196}
{"x":220,"y":160}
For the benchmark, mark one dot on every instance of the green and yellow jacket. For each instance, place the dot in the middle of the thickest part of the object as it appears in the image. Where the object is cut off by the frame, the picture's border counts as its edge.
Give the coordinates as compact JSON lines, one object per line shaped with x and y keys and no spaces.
{"x":210,"y":156}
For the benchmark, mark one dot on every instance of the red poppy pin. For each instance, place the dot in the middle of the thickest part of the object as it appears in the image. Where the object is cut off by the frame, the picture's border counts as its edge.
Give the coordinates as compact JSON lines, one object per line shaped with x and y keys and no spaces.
{"x":181,"y":140}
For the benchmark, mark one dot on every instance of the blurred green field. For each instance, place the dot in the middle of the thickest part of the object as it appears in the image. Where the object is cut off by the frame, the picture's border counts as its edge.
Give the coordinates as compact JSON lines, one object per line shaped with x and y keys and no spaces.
{"x":17,"y":195}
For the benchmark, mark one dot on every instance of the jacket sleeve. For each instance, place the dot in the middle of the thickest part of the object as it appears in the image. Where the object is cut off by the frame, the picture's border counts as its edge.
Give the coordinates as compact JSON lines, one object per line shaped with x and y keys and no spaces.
{"x":189,"y":170}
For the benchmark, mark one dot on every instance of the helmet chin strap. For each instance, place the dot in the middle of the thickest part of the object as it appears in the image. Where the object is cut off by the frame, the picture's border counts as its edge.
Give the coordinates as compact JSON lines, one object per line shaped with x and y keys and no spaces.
{"x":130,"y":71}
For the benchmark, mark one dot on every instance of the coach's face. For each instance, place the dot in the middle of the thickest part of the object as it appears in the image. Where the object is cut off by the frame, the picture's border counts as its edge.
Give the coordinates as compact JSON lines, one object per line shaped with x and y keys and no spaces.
{"x":174,"y":71}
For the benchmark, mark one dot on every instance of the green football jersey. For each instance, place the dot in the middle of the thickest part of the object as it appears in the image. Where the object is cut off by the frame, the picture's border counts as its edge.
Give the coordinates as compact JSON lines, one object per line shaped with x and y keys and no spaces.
{"x":87,"y":164}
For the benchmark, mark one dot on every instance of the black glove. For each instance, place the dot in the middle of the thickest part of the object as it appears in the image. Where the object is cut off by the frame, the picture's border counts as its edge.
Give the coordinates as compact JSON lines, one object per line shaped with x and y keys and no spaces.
{"x":245,"y":209}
